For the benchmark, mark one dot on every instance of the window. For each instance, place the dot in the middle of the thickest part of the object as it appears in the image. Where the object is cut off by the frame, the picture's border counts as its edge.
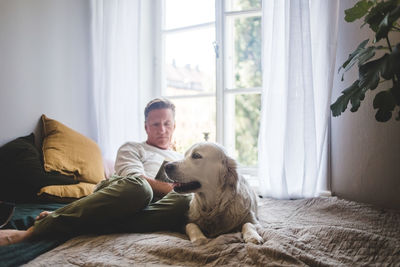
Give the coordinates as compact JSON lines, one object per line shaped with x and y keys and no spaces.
{"x":210,"y":59}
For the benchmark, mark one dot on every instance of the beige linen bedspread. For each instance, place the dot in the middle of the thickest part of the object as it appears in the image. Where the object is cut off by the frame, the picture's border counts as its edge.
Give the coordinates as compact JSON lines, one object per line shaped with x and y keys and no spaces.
{"x":314,"y":232}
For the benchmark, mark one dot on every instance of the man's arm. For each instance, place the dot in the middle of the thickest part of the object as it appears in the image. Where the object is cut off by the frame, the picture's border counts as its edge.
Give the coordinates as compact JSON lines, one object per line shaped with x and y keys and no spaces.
{"x":129,"y":161}
{"x":160,"y":189}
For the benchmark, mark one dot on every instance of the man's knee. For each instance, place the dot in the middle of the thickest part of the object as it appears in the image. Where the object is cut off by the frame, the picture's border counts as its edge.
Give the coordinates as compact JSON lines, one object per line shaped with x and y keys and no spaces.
{"x":135,"y":190}
{"x":180,"y":202}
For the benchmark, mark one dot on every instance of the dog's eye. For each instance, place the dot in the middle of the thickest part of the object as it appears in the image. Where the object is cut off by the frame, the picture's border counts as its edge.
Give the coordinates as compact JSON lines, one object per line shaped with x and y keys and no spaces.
{"x":196,"y":156}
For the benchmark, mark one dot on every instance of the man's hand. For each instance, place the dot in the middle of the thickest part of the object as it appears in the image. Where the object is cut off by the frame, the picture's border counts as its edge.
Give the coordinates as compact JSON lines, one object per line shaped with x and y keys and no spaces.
{"x":160,"y":189}
{"x":42,"y":215}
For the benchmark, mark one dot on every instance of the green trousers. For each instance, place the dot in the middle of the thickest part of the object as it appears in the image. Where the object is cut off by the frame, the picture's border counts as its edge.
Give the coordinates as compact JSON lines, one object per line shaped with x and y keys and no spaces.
{"x":119,"y":204}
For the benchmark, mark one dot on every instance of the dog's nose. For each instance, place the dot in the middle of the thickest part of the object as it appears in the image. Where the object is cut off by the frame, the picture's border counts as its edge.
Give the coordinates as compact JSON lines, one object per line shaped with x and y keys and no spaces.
{"x":169,"y":167}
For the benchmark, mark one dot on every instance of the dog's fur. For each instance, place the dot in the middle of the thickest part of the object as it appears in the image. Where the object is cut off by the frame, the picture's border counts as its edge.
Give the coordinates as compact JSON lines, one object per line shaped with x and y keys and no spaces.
{"x":223,"y":201}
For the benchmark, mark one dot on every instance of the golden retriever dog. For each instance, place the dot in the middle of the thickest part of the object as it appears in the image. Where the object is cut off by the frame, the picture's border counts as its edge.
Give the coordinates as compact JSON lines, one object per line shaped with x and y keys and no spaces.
{"x":223,"y":201}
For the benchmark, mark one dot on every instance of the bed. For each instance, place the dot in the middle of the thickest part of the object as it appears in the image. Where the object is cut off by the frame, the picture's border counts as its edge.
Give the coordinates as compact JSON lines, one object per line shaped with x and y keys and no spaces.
{"x":316,"y":232}
{"x":325,"y":231}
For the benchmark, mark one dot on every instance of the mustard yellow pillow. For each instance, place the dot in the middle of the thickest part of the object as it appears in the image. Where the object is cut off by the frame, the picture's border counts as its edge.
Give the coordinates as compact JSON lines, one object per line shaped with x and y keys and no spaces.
{"x":71,"y":153}
{"x":73,"y":191}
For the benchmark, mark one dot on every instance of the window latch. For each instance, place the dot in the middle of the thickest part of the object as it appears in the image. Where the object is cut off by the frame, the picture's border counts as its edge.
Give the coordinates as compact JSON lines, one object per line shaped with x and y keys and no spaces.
{"x":216,"y":49}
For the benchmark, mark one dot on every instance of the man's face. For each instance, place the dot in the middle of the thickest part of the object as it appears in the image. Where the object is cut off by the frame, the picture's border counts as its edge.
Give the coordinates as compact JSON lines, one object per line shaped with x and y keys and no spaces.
{"x":160,"y":126}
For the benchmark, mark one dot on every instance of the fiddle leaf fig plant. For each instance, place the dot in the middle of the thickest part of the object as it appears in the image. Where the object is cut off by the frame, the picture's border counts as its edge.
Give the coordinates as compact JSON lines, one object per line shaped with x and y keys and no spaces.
{"x":378,"y":60}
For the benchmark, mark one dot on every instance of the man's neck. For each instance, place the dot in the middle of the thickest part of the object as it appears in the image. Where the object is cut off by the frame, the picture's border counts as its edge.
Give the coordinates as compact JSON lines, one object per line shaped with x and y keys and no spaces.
{"x":162,"y":148}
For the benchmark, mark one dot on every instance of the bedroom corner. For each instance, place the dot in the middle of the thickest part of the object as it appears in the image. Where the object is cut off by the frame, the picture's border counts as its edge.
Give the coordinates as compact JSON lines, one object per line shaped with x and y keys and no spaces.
{"x":365,"y":153}
{"x":78,"y":74}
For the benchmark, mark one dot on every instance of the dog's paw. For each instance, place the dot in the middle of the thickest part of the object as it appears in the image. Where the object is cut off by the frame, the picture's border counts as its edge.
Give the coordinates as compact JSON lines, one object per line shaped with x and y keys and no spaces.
{"x":255,"y":239}
{"x":250,"y":234}
{"x":200,"y":241}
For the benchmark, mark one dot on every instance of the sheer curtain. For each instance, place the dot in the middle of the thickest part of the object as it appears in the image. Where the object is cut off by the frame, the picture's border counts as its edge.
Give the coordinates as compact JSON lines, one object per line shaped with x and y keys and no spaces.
{"x":299,"y":47}
{"x":115,"y":46}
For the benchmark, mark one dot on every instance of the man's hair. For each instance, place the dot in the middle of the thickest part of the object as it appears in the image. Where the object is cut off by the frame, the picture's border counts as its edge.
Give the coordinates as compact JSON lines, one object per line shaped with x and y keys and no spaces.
{"x":158,"y":103}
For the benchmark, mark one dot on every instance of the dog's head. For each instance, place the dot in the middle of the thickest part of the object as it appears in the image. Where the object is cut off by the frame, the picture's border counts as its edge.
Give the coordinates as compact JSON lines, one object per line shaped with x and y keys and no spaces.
{"x":205,"y":168}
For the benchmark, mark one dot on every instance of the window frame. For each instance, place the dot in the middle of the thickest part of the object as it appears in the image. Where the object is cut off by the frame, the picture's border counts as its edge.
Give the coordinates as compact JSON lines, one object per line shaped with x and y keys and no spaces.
{"x":222,"y":92}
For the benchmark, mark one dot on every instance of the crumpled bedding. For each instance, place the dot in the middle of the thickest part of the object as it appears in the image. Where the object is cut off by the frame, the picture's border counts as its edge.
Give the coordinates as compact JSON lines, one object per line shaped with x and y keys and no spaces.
{"x":314,"y":232}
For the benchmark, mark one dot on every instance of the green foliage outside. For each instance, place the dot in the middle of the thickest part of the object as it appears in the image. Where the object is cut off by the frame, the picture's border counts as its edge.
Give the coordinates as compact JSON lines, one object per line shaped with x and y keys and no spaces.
{"x":247,"y":127}
{"x":383,"y":19}
{"x":247,"y":74}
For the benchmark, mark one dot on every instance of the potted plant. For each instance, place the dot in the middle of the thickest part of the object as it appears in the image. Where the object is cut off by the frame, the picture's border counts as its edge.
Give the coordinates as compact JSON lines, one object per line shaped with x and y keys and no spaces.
{"x":378,"y":61}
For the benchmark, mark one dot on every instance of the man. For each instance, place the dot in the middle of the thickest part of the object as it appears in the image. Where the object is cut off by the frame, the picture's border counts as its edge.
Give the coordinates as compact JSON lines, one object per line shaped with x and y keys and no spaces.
{"x":123,"y":203}
{"x":144,"y":159}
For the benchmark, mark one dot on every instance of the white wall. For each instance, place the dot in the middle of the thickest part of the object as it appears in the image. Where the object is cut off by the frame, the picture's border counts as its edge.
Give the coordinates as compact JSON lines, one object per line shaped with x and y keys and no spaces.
{"x":44,"y":65}
{"x":365,"y":153}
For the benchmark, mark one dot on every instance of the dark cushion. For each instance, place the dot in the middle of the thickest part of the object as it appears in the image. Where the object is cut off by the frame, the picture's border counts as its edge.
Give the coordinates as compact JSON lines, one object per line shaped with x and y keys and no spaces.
{"x":22,"y":173}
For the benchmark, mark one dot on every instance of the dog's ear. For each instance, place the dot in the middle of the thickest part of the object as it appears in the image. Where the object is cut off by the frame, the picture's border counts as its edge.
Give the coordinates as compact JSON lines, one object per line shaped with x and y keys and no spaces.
{"x":231,"y":175}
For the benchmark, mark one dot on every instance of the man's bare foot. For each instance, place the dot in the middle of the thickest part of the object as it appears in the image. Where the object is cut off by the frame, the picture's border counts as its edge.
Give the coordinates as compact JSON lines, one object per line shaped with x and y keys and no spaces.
{"x":42,"y":215}
{"x":10,"y":236}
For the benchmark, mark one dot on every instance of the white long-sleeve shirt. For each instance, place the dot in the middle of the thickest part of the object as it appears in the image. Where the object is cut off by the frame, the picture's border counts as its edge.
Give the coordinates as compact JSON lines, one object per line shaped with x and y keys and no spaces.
{"x":142,"y":159}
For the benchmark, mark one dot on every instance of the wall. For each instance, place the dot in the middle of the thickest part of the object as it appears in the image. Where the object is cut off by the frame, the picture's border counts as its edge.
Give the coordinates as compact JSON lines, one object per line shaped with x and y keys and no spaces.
{"x":365,"y":153}
{"x":44,"y":65}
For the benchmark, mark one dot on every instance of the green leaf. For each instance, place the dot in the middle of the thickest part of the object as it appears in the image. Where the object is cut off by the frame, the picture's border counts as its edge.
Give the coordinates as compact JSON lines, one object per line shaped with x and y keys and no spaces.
{"x":391,"y":66}
{"x":383,"y":29}
{"x":384,"y":100}
{"x":353,"y":94}
{"x":357,"y":11}
{"x":379,"y":12}
{"x":363,"y":56}
{"x":385,"y":103}
{"x":383,"y":115}
{"x":356,"y":99}
{"x":369,"y":73}
{"x":395,"y":57}
{"x":394,"y":15}
{"x":360,"y":48}
{"x":387,"y":23}
{"x":395,"y":90}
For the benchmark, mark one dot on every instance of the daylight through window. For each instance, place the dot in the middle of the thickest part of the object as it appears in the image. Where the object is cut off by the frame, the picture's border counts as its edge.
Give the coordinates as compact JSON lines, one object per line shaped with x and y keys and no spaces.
{"x":211,"y":69}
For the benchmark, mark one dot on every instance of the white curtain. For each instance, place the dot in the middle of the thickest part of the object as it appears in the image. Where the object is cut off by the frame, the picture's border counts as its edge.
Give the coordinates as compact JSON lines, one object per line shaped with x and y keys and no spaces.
{"x":299,"y":47}
{"x":115,"y":46}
